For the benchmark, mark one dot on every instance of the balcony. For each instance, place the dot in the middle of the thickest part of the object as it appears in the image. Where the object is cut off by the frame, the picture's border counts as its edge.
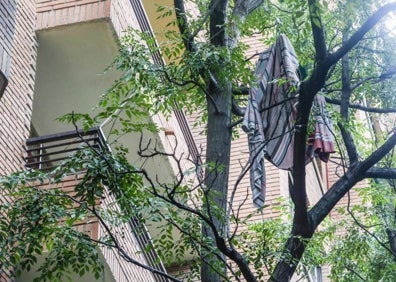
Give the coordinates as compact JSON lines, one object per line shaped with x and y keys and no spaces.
{"x":46,"y":153}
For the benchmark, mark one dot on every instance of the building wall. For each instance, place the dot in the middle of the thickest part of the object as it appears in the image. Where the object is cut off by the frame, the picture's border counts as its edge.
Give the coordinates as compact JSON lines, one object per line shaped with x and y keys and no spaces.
{"x":71,"y":72}
{"x":7,"y":26}
{"x":16,"y":104}
{"x":17,"y":62}
{"x":123,"y":16}
{"x":53,"y":17}
{"x":51,"y":13}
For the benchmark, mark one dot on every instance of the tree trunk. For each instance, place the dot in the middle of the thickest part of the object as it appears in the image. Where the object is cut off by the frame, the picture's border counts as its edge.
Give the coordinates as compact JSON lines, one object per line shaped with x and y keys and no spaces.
{"x":216,"y":176}
{"x":218,"y":147}
{"x":286,"y":267}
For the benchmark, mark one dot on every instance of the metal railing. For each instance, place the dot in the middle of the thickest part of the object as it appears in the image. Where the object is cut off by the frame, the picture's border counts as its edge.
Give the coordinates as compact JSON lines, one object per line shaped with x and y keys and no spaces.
{"x":47,"y":152}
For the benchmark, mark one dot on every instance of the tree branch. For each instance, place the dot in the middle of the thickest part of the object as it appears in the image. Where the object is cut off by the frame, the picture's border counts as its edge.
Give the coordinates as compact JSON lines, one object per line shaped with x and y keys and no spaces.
{"x":392,"y":239}
{"x":236,"y":109}
{"x":354,"y":272}
{"x":116,"y":245}
{"x":217,"y":30}
{"x":304,"y":224}
{"x":377,"y":172}
{"x":365,"y":229}
{"x":386,"y":75}
{"x":245,"y":7}
{"x":208,"y":219}
{"x":242,"y":8}
{"x":182,"y":23}
{"x":188,"y":38}
{"x":295,"y":246}
{"x":253,"y":5}
{"x":347,"y":181}
{"x":317,"y":30}
{"x":358,"y":35}
{"x":361,"y":107}
{"x":298,"y":189}
{"x":344,"y":109}
{"x":241,"y":91}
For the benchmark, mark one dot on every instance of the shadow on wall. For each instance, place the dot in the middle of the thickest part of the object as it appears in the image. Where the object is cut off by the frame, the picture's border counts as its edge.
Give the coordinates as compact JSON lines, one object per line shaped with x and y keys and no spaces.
{"x":7,"y":11}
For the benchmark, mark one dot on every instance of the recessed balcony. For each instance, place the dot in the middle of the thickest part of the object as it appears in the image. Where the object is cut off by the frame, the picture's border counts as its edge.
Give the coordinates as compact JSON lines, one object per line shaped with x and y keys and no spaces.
{"x":47,"y":152}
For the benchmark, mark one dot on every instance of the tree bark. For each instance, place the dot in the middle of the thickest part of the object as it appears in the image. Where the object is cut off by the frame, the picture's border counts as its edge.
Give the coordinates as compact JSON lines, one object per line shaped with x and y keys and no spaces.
{"x":216,"y":175}
{"x":218,"y":145}
{"x":286,"y":267}
{"x":344,"y":107}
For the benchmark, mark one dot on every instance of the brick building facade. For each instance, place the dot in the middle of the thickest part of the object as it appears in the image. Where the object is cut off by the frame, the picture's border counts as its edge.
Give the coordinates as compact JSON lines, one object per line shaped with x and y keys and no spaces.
{"x":17,"y":62}
{"x":20,"y":21}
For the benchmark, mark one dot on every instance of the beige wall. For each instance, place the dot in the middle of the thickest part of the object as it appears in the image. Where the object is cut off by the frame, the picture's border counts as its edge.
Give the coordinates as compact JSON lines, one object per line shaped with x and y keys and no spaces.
{"x":71,"y":74}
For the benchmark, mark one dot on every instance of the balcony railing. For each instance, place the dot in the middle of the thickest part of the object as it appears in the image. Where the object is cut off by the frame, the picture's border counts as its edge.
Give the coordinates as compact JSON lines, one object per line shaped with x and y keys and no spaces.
{"x":47,"y":152}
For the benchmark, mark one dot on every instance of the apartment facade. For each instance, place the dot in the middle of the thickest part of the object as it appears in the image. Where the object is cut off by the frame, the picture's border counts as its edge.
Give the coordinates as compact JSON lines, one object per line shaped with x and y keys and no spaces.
{"x":53,"y":54}
{"x":17,"y":69}
{"x":72,"y":42}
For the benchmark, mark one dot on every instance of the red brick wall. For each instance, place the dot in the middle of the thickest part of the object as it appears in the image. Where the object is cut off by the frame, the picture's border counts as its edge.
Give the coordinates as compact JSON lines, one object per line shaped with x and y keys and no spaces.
{"x":16,"y":104}
{"x":17,"y":61}
{"x":7,"y":26}
{"x":51,"y":13}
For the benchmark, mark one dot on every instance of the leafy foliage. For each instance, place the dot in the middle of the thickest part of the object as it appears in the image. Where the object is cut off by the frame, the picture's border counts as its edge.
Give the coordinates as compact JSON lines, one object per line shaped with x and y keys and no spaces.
{"x":362,"y":253}
{"x":43,"y":220}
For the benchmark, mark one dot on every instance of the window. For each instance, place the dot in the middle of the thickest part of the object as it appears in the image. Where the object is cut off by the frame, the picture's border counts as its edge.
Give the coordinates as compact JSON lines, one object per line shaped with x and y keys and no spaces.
{"x":3,"y":83}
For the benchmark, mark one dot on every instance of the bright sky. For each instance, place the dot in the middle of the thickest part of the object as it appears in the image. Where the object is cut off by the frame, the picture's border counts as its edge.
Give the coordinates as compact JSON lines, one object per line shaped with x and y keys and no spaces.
{"x":390,"y":19}
{"x":390,"y":23}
